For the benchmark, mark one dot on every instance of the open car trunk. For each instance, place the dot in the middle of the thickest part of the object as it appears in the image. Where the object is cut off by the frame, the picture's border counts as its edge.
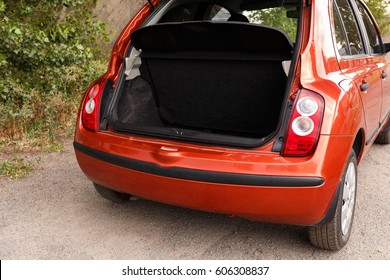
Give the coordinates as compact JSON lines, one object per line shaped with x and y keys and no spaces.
{"x":220,"y":83}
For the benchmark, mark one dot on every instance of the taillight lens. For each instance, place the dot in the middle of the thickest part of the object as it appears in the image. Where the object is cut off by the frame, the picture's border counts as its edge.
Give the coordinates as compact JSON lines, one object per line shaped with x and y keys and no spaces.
{"x":91,"y":106}
{"x":305,"y":124}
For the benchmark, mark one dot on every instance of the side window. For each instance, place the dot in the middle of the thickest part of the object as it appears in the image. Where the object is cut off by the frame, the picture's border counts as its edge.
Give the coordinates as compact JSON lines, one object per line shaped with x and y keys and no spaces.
{"x":181,"y":13}
{"x":351,"y":28}
{"x":217,"y":13}
{"x":341,"y":37}
{"x":372,"y":33}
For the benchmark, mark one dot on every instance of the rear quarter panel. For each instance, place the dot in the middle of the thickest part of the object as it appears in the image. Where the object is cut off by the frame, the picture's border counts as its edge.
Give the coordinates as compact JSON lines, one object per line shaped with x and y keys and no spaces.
{"x":344,"y":115}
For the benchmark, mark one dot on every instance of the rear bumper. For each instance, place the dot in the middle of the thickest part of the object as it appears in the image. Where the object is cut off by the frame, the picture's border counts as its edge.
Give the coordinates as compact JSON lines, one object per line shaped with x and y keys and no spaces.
{"x":200,"y":175}
{"x":254,"y":184}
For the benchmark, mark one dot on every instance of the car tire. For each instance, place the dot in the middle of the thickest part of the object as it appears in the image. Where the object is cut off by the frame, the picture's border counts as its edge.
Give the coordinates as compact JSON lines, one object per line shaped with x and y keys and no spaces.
{"x":384,"y":136}
{"x":335,"y":234}
{"x":112,"y":195}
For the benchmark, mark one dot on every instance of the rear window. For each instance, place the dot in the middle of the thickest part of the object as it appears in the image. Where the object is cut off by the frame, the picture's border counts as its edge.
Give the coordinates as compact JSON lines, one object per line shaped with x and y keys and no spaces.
{"x":196,"y":11}
{"x":283,"y":18}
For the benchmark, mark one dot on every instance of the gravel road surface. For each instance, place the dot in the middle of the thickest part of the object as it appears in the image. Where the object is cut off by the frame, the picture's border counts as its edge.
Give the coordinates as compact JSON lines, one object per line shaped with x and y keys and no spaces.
{"x":56,"y":214}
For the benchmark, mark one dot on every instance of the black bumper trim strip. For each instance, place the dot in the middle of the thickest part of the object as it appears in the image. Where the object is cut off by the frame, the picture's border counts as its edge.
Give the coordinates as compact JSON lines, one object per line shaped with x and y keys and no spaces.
{"x":201,"y":175}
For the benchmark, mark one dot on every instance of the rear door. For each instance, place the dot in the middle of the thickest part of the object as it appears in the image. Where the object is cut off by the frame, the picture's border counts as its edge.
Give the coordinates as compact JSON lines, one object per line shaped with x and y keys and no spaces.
{"x":376,"y":49}
{"x":358,"y":61}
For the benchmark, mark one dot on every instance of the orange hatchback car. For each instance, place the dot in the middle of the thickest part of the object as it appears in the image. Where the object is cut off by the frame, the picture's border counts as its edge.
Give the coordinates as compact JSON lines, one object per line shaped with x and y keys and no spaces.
{"x":216,"y":105}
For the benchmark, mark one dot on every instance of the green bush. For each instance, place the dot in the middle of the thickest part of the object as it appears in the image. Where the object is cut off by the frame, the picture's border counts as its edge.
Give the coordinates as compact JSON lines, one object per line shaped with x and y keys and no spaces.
{"x":378,"y":9}
{"x":49,"y":52}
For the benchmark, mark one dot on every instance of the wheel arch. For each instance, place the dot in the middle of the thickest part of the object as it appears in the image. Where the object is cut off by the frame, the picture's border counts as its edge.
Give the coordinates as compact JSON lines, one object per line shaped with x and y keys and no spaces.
{"x":358,"y":144}
{"x":358,"y":148}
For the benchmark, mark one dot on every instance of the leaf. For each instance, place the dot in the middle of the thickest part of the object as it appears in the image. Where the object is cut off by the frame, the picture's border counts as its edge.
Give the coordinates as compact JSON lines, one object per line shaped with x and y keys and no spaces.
{"x":80,"y":47}
{"x":17,"y":31}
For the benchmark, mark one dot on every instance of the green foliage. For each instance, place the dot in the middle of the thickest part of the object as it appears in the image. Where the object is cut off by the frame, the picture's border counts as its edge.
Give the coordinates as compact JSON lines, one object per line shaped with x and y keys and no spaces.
{"x":378,"y":10}
{"x":276,"y":17}
{"x":48,"y":54}
{"x":16,"y":168}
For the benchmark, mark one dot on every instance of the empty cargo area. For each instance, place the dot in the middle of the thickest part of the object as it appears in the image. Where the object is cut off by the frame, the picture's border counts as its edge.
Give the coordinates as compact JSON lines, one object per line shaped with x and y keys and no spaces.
{"x":203,"y":81}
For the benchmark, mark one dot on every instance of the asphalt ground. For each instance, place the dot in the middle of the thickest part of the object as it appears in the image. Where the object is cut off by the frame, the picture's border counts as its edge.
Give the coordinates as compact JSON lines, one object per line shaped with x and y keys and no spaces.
{"x":55,"y":213}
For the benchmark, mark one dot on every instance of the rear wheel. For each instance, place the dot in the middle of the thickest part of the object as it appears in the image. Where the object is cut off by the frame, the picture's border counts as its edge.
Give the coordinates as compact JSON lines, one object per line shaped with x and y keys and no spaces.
{"x":335,"y":234}
{"x":112,"y":195}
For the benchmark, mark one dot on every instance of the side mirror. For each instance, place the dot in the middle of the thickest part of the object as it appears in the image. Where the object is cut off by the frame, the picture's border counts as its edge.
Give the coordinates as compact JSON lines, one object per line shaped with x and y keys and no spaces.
{"x":387,"y":47}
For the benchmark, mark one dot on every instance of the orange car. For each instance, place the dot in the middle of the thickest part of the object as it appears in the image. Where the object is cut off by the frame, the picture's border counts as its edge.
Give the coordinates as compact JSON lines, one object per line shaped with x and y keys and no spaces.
{"x":255,"y":108}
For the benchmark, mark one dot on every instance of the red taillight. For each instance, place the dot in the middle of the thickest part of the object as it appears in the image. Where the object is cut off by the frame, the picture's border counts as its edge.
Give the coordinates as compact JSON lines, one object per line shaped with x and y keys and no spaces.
{"x":91,"y":106}
{"x":305,"y":123}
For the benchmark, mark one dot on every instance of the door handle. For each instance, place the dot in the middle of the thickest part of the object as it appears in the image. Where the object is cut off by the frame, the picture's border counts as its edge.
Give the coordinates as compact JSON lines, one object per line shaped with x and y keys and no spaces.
{"x":364,"y":86}
{"x":384,"y":75}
